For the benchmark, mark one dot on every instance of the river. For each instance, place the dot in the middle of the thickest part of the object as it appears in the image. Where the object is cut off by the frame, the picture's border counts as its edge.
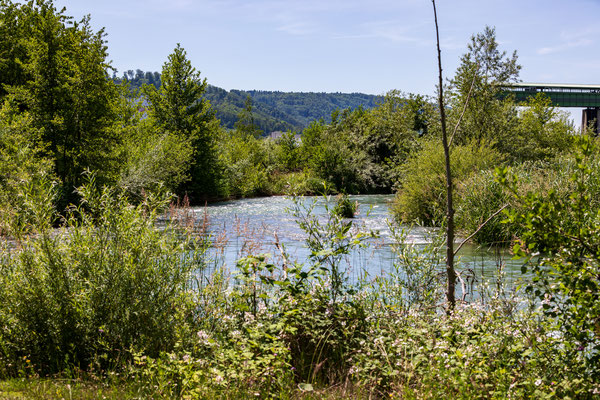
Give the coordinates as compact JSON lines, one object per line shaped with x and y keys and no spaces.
{"x":252,"y":226}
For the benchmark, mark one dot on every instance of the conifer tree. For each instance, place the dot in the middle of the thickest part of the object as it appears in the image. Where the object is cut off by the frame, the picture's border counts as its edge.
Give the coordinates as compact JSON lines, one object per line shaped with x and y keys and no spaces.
{"x":179,"y":107}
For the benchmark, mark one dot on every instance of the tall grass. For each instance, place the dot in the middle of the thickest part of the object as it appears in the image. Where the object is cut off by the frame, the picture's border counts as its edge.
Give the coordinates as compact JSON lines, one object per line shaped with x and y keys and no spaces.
{"x":481,"y":195}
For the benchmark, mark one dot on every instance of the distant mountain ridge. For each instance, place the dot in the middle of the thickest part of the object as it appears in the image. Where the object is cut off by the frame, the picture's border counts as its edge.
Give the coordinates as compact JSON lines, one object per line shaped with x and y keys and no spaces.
{"x":271,"y":110}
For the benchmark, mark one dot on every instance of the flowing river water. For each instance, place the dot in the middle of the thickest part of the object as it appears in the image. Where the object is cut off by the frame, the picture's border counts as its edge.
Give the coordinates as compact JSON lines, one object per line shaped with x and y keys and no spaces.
{"x":252,"y":226}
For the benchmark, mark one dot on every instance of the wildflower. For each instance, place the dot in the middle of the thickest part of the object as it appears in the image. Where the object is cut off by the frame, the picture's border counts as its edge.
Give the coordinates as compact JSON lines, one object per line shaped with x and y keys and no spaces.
{"x":203,"y":336}
{"x":538,"y":382}
{"x":248,"y":317}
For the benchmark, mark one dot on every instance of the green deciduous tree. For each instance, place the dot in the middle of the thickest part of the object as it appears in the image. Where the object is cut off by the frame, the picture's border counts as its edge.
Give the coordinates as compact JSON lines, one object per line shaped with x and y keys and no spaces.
{"x":13,"y":29}
{"x":361,"y":150}
{"x":154,"y":160}
{"x":288,"y":152}
{"x":543,"y":131}
{"x":483,"y":70}
{"x":58,"y":72}
{"x":23,"y":173}
{"x":245,"y":122}
{"x":246,"y":169}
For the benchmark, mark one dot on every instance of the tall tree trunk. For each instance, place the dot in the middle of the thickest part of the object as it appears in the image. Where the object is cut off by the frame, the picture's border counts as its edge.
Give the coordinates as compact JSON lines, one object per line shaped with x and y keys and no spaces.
{"x":450,"y":272}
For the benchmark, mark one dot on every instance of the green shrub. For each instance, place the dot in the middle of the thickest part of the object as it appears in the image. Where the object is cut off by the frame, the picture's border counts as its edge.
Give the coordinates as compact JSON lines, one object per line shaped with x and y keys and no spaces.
{"x":565,"y":229}
{"x":297,"y":183}
{"x":287,"y":151}
{"x":344,"y":207}
{"x":481,"y":196}
{"x":246,"y":164}
{"x":154,"y":159}
{"x":105,"y":284}
{"x":543,"y":132}
{"x":422,"y":194}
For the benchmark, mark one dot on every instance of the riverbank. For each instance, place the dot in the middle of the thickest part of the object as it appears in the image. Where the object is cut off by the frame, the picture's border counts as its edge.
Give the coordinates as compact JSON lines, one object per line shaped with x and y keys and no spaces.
{"x":274,"y":329}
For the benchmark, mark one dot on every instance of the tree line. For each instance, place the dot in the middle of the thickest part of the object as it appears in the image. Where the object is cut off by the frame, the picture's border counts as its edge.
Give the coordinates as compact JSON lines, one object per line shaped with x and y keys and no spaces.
{"x":67,"y":113}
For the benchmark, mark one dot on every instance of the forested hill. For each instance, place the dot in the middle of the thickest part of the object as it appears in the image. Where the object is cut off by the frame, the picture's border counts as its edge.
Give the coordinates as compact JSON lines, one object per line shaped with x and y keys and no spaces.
{"x":271,"y":111}
{"x":229,"y":105}
{"x":281,"y":111}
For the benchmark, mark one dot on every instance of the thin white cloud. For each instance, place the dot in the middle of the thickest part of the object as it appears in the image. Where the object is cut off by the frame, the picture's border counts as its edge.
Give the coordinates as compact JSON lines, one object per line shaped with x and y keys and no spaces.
{"x":173,"y":5}
{"x":305,"y":17}
{"x":572,"y":39}
{"x":298,"y":28}
{"x":583,"y":42}
{"x":393,"y":31}
{"x":451,"y":44}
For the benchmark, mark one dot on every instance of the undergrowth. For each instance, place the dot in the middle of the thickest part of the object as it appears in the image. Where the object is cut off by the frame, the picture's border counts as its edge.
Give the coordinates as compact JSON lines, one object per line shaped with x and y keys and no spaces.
{"x":116,"y":303}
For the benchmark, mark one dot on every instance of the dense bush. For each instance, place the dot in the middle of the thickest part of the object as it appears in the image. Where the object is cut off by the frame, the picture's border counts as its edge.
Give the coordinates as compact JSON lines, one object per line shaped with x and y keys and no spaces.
{"x":298,"y":183}
{"x":246,"y":164}
{"x":108,"y":283}
{"x":154,"y":160}
{"x":565,"y":228}
{"x":360,"y":151}
{"x":543,"y":132}
{"x":423,"y":189}
{"x":23,"y":172}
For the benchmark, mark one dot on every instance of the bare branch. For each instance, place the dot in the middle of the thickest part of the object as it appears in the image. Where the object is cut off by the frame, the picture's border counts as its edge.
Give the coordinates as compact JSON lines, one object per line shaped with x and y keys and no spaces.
{"x":462,"y":285}
{"x":462,"y":114}
{"x":480,"y":227}
{"x":283,"y":255}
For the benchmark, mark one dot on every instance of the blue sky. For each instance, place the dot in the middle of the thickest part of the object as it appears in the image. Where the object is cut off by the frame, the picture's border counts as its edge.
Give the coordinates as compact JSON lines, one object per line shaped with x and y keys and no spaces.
{"x":369,"y":46}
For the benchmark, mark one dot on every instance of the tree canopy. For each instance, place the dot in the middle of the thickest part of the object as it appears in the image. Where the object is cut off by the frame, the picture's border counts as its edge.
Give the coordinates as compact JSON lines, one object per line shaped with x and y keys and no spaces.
{"x":56,"y":69}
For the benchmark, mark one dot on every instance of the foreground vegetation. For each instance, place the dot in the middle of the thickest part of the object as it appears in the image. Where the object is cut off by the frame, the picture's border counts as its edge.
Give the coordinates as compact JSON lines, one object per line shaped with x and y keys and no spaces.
{"x":107,"y":287}
{"x":114,"y":305}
